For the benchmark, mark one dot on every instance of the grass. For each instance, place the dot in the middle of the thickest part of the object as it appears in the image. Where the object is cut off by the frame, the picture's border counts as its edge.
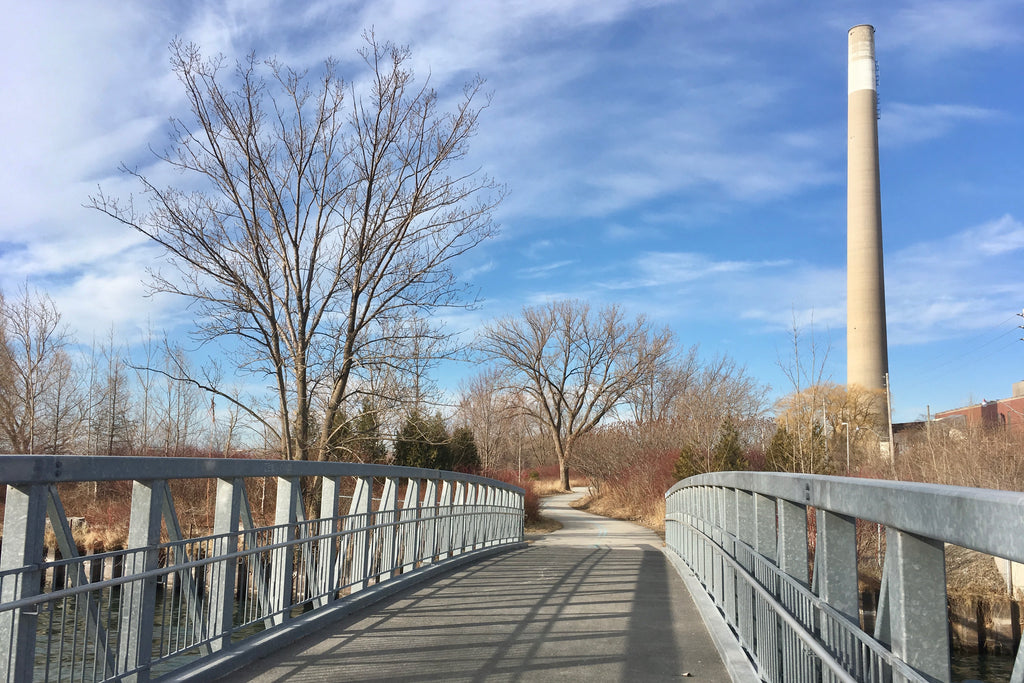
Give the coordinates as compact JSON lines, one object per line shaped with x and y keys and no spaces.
{"x":651,"y":516}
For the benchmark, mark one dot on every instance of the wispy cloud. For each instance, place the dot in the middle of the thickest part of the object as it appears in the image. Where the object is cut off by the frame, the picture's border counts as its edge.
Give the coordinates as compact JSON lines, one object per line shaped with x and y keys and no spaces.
{"x":905,"y":124}
{"x":545,"y":269}
{"x":932,"y":28}
{"x":939,"y":289}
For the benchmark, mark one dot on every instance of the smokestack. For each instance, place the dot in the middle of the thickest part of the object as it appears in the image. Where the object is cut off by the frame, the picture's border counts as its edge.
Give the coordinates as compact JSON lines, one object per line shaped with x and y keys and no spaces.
{"x":866,"y":349}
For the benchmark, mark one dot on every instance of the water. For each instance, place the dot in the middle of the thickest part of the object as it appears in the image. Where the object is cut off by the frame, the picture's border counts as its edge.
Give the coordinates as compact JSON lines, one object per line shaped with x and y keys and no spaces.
{"x":987,"y":668}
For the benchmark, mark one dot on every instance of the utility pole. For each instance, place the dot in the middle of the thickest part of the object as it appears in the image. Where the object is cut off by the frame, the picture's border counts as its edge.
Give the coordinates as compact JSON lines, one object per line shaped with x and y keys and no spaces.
{"x":888,"y":415}
{"x":847,"y":425}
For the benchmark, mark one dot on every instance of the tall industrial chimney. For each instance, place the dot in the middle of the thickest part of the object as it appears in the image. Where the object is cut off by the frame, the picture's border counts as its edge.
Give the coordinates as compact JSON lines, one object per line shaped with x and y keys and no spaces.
{"x":867,"y":356}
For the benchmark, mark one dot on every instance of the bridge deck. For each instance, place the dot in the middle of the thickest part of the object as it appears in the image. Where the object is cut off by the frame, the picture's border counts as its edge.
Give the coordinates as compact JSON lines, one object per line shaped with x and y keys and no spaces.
{"x":594,"y":601}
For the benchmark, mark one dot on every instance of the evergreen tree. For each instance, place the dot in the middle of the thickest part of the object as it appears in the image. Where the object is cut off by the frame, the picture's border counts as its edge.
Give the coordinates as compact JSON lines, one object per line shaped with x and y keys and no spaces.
{"x":728,"y":453}
{"x":787,"y":454}
{"x":423,"y":442}
{"x":688,"y":463}
{"x":462,"y":451}
{"x":779,"y":456}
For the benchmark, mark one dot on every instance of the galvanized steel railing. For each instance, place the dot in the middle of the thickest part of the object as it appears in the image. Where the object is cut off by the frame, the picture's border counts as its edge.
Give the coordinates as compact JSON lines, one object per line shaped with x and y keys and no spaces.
{"x":745,"y":537}
{"x":166,"y":605}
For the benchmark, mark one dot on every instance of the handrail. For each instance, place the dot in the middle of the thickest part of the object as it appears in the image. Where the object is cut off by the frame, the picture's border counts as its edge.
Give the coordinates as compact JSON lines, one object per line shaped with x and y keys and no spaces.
{"x":758,"y":522}
{"x":167,"y":606}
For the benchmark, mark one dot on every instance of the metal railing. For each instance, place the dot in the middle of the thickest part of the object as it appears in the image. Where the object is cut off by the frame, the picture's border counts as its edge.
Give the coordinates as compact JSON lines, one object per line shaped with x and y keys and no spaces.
{"x":745,"y":537}
{"x":167,"y":604}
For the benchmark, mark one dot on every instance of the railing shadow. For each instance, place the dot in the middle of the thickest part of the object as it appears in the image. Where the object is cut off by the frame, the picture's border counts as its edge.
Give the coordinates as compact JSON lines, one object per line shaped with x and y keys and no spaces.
{"x":585,"y":613}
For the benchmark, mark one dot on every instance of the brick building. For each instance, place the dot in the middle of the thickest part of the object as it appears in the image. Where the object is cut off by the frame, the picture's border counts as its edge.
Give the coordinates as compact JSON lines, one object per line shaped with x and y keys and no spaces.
{"x":1003,"y":412}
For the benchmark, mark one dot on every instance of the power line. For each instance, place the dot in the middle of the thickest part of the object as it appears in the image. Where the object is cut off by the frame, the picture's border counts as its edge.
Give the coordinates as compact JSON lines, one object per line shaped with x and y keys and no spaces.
{"x":929,"y":371}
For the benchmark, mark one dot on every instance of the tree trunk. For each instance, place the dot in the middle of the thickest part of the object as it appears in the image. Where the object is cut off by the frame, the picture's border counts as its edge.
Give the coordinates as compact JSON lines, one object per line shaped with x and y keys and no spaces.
{"x":564,"y":467}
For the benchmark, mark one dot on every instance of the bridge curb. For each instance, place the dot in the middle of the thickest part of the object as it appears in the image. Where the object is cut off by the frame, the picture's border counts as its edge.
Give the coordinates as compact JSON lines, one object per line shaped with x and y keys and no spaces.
{"x":259,"y":646}
{"x":739,"y":666}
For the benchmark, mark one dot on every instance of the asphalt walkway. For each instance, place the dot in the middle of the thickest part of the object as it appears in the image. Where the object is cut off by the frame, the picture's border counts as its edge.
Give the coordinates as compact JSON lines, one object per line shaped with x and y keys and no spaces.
{"x":595,"y":601}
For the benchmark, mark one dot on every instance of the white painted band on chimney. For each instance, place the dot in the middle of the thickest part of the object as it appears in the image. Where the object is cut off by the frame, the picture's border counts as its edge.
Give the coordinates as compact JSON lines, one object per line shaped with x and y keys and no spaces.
{"x":862,"y":74}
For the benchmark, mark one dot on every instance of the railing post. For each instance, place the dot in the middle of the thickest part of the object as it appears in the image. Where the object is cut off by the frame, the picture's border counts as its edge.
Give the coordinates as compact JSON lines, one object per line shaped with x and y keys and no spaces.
{"x":410,"y":524}
{"x":747,"y":533}
{"x":835,"y":569}
{"x":836,"y":563}
{"x":729,"y":583}
{"x":458,"y":515}
{"x":282,"y":559}
{"x":387,"y":519}
{"x":520,"y":499}
{"x":490,"y":526}
{"x":706,"y":508}
{"x":138,"y":607}
{"x":222,"y":577}
{"x":470,"y":518}
{"x":444,"y":523}
{"x":718,"y":563}
{"x":429,"y":522}
{"x":359,"y":515}
{"x":918,"y":624}
{"x":793,"y":556}
{"x":327,"y":557}
{"x":793,"y":540}
{"x":24,"y":522}
{"x":769,"y":650}
{"x":745,"y":529}
{"x":765,"y":537}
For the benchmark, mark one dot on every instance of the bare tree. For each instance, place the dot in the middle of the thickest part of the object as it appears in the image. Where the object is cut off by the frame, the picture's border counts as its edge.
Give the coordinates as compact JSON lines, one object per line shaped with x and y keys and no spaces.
{"x":178,"y":404}
{"x":64,"y":412}
{"x":574,"y":366}
{"x":720,"y":390}
{"x":111,"y":422}
{"x":652,"y":400}
{"x":37,"y":377}
{"x":489,"y":412}
{"x":320,"y":223}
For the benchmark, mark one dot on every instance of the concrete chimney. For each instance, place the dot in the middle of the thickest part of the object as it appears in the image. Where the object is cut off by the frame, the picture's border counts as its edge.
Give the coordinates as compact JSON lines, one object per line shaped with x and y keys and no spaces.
{"x":866,"y":348}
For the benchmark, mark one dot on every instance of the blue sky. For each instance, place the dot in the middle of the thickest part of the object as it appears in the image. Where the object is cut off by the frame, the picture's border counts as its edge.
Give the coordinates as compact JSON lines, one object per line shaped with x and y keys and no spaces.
{"x":685,"y":159}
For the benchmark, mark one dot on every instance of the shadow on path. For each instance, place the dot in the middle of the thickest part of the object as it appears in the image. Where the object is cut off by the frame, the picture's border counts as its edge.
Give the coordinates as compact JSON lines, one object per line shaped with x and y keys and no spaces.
{"x":553,"y":611}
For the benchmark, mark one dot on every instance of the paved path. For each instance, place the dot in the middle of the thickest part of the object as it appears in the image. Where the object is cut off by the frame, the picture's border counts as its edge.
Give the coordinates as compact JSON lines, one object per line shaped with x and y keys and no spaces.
{"x":595,"y":601}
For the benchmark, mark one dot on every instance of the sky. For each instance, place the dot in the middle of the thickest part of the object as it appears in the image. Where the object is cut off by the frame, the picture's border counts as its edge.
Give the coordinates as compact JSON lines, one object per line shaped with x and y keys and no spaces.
{"x":686,"y":160}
